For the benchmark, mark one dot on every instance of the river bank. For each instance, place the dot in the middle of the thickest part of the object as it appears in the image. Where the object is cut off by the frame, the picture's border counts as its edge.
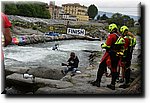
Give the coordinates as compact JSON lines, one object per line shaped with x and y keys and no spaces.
{"x":52,"y":81}
{"x":34,"y":39}
{"x":28,"y":30}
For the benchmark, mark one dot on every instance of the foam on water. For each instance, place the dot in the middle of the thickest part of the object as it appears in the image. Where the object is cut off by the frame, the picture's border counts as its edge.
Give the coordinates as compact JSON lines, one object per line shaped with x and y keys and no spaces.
{"x":42,"y":54}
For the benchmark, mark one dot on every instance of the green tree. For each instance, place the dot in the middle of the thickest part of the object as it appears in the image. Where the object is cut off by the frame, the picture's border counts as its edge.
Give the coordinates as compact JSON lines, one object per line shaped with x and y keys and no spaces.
{"x":30,"y":9}
{"x":104,"y":17}
{"x":98,"y":17}
{"x":10,"y":8}
{"x":120,"y":20}
{"x":116,"y":18}
{"x":92,"y":11}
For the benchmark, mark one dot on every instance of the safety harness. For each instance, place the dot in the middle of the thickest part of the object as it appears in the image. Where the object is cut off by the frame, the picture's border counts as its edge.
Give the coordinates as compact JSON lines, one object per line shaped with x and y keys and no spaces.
{"x":118,"y":46}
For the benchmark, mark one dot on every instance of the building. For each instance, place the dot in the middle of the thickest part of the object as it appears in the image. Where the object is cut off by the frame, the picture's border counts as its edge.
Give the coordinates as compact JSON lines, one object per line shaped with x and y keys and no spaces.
{"x":54,"y":10}
{"x":69,"y":17}
{"x":76,"y":10}
{"x":82,"y":18}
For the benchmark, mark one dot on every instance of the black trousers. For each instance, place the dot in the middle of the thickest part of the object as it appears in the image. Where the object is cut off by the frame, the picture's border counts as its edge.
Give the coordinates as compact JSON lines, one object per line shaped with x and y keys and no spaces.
{"x":127,"y":61}
{"x":103,"y":68}
{"x":128,"y":57}
{"x":114,"y":64}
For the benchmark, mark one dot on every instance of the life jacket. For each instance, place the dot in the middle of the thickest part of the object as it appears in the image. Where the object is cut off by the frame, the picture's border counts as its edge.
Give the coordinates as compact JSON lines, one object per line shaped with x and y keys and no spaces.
{"x":118,"y":46}
{"x":129,"y":46}
{"x":132,"y":40}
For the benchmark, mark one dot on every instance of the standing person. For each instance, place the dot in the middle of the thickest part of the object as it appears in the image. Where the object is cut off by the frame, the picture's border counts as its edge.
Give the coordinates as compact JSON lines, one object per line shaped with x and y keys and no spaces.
{"x":113,"y":46}
{"x":5,"y":33}
{"x":6,"y":38}
{"x":126,"y":60}
{"x":72,"y":64}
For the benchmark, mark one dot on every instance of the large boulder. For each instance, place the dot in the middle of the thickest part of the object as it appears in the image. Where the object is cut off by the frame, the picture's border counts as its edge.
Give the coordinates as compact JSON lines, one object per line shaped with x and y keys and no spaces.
{"x":53,"y":83}
{"x":18,"y":80}
{"x":11,"y":70}
{"x":48,"y":73}
{"x":41,"y":72}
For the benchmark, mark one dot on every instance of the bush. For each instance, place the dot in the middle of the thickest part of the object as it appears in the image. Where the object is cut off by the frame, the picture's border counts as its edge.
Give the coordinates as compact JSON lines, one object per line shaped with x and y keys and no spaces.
{"x":34,"y":27}
{"x":29,"y":9}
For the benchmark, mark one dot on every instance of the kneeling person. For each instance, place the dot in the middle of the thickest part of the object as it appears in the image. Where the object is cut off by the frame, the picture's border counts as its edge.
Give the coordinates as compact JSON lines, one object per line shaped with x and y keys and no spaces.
{"x":72,"y":64}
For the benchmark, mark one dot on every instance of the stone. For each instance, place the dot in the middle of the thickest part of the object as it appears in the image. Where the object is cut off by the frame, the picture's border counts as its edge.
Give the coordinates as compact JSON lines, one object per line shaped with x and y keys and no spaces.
{"x":45,"y":90}
{"x":48,"y":73}
{"x":18,"y":80}
{"x":12,"y":91}
{"x":10,"y":70}
{"x":53,"y":83}
{"x":76,"y":90}
{"x":67,"y":78}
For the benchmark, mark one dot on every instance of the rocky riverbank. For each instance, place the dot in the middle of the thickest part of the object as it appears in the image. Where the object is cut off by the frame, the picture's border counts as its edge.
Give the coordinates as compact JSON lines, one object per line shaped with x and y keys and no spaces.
{"x":34,"y":39}
{"x":52,"y":81}
{"x":28,"y":30}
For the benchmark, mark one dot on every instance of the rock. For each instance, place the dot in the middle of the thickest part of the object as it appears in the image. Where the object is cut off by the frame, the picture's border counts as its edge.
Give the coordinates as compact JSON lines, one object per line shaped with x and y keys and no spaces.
{"x":16,"y":80}
{"x":53,"y":83}
{"x":45,"y":90}
{"x":12,"y":91}
{"x":76,"y":90}
{"x":135,"y":87}
{"x":11,"y":70}
{"x":43,"y":72}
{"x":78,"y":78}
{"x":27,"y":85}
{"x":67,"y":78}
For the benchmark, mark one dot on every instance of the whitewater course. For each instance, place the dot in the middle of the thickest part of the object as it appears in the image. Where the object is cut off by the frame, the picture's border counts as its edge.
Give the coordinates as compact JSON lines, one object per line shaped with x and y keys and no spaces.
{"x":44,"y":64}
{"x":32,"y":67}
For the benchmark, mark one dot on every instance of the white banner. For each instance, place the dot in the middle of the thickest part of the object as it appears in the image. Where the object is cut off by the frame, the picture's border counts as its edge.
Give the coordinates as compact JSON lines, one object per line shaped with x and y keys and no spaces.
{"x":80,"y":32}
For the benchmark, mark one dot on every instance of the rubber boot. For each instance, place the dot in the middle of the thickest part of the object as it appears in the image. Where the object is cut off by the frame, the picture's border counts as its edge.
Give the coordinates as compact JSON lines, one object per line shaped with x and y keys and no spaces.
{"x":96,"y":83}
{"x":117,"y":77}
{"x":110,"y":86}
{"x":98,"y":79}
{"x":127,"y":79}
{"x":100,"y":72}
{"x":114,"y":77}
{"x":127,"y":76}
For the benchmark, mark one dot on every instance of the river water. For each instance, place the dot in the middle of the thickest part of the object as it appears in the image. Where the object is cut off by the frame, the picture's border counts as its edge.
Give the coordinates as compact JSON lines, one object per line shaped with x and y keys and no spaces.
{"x":42,"y":54}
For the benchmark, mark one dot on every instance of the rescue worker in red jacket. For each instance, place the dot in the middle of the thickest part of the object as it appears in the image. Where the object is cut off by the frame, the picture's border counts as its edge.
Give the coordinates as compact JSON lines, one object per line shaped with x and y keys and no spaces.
{"x":112,"y":47}
{"x":6,"y":35}
{"x":130,"y":42}
{"x":6,"y":40}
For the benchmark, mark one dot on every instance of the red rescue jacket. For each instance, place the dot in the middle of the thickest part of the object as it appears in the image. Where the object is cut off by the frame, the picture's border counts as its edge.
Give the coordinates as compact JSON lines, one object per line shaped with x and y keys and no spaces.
{"x":110,"y":41}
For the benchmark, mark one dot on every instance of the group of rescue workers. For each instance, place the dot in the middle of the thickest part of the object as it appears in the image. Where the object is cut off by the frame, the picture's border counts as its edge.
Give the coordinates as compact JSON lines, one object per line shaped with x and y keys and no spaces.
{"x":119,"y":47}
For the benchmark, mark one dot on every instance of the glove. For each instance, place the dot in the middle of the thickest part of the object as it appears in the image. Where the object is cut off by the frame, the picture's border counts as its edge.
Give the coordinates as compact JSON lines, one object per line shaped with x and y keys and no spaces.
{"x":103,"y":45}
{"x":134,"y":41}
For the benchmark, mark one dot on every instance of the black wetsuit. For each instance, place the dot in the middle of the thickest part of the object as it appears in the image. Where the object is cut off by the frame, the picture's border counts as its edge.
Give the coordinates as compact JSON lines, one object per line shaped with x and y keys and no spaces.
{"x":73,"y":62}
